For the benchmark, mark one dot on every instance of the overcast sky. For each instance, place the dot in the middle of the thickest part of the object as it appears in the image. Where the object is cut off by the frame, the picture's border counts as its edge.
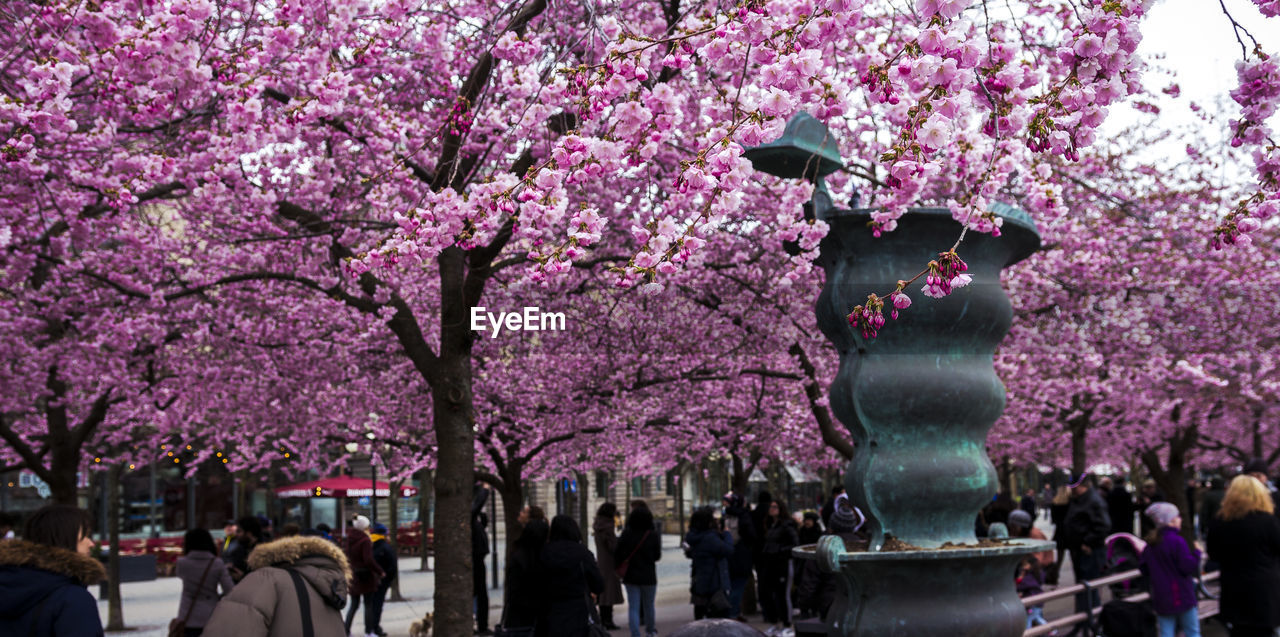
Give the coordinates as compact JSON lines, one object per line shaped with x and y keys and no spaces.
{"x":1194,"y":39}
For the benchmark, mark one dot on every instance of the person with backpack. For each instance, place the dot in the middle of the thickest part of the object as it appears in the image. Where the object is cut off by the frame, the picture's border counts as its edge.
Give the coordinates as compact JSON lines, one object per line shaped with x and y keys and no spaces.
{"x":296,"y":587}
{"x":44,"y":577}
{"x":1171,"y":566}
{"x":636,"y":555}
{"x":202,"y":574}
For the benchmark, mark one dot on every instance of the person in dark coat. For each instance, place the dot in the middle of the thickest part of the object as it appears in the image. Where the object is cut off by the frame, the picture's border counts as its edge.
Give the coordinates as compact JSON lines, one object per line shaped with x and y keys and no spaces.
{"x":248,"y":535}
{"x":44,"y":577}
{"x":365,"y":572}
{"x":1246,"y":544}
{"x":1209,"y":507}
{"x":1085,"y":530}
{"x":525,"y":587}
{"x":606,"y":539}
{"x":385,"y":555}
{"x":709,"y":548}
{"x":1120,"y":507}
{"x":202,"y":574}
{"x":479,"y":549}
{"x":640,"y":547}
{"x":1171,"y":567}
{"x":737,"y":521}
{"x":571,"y":573}
{"x":780,"y":537}
{"x":815,"y":589}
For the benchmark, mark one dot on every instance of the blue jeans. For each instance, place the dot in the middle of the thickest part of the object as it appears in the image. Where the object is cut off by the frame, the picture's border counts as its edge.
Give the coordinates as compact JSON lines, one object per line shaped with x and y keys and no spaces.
{"x":1188,"y":621}
{"x":638,"y":596}
{"x":1035,"y":617}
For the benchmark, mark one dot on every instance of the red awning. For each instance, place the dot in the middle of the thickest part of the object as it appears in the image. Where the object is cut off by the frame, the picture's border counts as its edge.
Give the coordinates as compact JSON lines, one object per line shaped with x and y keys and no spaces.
{"x":340,"y":487}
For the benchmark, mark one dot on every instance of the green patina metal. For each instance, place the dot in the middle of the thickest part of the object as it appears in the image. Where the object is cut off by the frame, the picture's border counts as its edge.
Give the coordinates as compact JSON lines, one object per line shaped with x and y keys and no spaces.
{"x":805,"y":150}
{"x":918,"y":400}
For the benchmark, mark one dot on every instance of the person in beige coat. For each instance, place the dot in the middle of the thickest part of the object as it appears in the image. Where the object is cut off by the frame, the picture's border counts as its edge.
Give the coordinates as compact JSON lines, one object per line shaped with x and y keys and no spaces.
{"x":296,"y":588}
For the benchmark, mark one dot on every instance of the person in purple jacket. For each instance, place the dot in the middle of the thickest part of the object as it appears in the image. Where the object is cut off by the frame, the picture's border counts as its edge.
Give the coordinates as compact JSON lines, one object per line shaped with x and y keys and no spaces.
{"x":1171,"y":566}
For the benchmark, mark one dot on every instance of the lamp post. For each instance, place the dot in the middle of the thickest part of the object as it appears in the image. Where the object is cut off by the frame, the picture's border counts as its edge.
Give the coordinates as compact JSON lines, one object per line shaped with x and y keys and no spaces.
{"x":352,"y":448}
{"x":373,"y":472}
{"x":918,"y":401}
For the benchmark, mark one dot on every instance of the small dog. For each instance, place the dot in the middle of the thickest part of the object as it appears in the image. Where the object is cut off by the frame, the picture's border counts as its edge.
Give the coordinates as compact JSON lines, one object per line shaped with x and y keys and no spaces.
{"x":422,"y":627}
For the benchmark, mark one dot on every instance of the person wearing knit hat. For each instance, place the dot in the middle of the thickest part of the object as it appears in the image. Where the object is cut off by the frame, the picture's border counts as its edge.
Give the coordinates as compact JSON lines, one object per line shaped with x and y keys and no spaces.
{"x":1172,"y":567}
{"x":366,"y":574}
{"x":845,"y":518}
{"x":1021,"y":525}
{"x":815,"y":590}
{"x":1162,"y":513}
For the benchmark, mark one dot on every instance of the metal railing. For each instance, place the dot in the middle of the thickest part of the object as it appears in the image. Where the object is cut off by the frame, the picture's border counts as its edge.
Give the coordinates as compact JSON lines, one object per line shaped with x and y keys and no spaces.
{"x":1086,"y":623}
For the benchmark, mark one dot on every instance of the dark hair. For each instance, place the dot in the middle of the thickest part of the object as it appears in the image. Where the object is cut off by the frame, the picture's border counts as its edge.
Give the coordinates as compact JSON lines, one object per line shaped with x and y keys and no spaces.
{"x":701,"y":519}
{"x":323,"y":528}
{"x":640,"y":520}
{"x":607,"y":510}
{"x":249,"y":524}
{"x":198,"y":540}
{"x":639,"y":504}
{"x":290,"y":529}
{"x":536,"y":513}
{"x":783,"y":513}
{"x":764,"y":498}
{"x":533,"y":536}
{"x":564,"y":527}
{"x":58,"y":525}
{"x":837,"y":490}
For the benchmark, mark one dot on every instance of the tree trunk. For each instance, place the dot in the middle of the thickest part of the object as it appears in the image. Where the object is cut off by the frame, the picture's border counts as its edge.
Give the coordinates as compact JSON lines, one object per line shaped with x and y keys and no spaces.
{"x":512,"y":493}
{"x":1172,"y":479}
{"x":1079,"y":433}
{"x":455,"y":475}
{"x":584,"y":508}
{"x":740,"y":476}
{"x":115,"y":609}
{"x":393,"y":533}
{"x":425,"y":488}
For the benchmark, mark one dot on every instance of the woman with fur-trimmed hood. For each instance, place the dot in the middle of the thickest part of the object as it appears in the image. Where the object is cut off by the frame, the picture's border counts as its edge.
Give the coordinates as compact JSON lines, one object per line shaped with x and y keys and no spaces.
{"x":289,"y":577}
{"x":43,"y":577}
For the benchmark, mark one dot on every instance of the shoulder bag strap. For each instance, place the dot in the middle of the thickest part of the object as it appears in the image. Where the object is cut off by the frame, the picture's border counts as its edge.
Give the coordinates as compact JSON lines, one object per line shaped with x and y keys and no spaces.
{"x":196,"y":595}
{"x":639,"y":545}
{"x":304,"y":603}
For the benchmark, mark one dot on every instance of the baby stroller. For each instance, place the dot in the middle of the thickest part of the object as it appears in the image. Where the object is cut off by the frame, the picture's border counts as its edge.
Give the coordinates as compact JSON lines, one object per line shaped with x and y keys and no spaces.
{"x":1123,"y":553}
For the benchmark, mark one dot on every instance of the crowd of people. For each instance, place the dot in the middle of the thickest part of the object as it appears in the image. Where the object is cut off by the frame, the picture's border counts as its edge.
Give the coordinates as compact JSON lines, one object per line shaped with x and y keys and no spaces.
{"x":1238,"y":526}
{"x":296,"y":582}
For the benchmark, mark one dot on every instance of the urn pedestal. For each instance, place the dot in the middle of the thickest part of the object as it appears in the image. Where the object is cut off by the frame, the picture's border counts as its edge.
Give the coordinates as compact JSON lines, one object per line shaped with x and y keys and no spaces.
{"x":918,"y":401}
